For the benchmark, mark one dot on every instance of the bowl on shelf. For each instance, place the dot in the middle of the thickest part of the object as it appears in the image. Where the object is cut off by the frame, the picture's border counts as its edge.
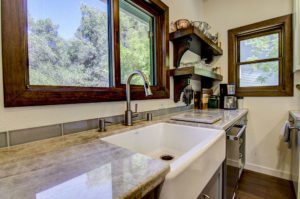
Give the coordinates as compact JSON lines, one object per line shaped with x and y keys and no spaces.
{"x":182,"y":24}
{"x":204,"y":27}
{"x":212,"y":37}
{"x":196,"y":24}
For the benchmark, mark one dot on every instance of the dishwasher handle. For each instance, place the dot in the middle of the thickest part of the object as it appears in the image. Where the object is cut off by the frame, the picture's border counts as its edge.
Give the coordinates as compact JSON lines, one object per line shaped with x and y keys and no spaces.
{"x":239,"y":134}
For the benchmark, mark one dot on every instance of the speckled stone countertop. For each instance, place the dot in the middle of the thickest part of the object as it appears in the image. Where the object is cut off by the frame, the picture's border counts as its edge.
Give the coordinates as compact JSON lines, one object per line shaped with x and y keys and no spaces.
{"x":295,"y":114}
{"x":228,"y":118}
{"x":78,"y":166}
{"x":83,"y":166}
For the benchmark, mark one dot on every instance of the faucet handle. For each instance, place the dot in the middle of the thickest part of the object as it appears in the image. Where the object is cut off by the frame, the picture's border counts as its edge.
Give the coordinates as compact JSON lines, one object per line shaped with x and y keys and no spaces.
{"x":136,"y":108}
{"x":149,"y":116}
{"x":102,"y":125}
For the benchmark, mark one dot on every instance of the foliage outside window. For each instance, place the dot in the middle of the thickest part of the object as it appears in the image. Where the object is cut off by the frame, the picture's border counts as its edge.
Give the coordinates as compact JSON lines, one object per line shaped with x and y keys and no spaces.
{"x":260,"y":58}
{"x":136,"y":42}
{"x":259,"y":61}
{"x":68,"y":50}
{"x":82,"y":51}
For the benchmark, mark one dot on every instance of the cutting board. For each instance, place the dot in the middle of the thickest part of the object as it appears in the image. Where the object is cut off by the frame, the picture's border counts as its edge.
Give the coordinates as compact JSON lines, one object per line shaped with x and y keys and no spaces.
{"x":198,"y":117}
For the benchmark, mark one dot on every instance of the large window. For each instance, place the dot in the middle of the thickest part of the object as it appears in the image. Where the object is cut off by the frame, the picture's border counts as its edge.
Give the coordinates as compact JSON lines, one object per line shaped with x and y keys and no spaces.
{"x":259,"y":61}
{"x":59,"y":52}
{"x":260,"y":58}
{"x":136,"y":42}
{"x":68,"y":43}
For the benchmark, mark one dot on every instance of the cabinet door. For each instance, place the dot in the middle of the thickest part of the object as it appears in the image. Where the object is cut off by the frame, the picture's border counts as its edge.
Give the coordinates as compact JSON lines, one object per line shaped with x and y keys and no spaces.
{"x":296,"y":26}
{"x":213,"y":190}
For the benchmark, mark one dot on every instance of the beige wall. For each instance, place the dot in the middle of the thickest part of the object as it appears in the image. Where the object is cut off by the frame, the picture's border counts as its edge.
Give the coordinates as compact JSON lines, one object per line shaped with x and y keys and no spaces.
{"x":265,"y":151}
{"x":188,"y":9}
{"x":17,"y":118}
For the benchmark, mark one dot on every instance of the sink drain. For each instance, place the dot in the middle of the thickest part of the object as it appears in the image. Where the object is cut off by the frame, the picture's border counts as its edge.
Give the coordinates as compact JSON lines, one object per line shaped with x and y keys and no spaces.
{"x":166,"y":157}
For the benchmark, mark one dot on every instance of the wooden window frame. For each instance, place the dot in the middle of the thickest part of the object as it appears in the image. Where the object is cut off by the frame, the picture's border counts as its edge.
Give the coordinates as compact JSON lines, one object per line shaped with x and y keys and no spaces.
{"x":281,"y":25}
{"x":17,"y":91}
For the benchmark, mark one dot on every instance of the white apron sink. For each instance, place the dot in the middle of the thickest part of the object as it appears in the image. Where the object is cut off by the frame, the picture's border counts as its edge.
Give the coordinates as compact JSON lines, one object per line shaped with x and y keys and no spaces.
{"x":198,"y":152}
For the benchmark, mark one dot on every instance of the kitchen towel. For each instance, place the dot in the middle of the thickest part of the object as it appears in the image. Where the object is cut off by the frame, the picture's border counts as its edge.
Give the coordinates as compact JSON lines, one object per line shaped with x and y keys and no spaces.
{"x":286,"y":133}
{"x":187,"y":95}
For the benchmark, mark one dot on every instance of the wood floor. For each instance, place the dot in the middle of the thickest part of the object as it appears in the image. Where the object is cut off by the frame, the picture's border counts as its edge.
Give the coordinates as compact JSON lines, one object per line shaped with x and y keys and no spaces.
{"x":258,"y":186}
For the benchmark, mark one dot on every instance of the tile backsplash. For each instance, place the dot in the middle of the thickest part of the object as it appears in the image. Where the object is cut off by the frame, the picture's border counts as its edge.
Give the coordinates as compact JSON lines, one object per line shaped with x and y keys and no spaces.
{"x":22,"y":136}
{"x":84,"y":125}
{"x":34,"y":134}
{"x":3,"y":139}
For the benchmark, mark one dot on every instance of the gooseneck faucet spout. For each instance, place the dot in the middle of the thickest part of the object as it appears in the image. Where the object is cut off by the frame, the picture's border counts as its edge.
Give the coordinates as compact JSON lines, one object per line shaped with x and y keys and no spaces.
{"x":128,"y":112}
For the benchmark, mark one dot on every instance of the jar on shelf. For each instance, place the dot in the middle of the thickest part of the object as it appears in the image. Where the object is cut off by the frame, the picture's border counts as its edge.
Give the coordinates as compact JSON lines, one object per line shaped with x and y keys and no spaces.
{"x":205,"y":95}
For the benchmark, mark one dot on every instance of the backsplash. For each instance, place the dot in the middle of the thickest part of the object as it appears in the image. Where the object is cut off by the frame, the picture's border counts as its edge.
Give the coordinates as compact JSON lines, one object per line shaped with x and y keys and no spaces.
{"x":3,"y":139}
{"x":16,"y":137}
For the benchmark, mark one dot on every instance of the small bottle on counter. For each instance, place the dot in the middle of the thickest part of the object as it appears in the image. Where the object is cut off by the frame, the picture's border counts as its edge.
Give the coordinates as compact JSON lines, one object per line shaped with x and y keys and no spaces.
{"x":205,"y":95}
{"x":197,"y":99}
{"x":213,"y":102}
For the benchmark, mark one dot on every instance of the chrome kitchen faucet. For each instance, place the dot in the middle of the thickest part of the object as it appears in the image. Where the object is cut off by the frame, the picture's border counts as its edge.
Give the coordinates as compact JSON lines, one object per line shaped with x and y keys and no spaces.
{"x":128,"y":112}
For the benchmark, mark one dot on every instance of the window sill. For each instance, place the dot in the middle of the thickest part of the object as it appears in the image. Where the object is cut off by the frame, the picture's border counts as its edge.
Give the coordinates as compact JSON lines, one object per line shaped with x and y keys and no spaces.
{"x":264,"y":93}
{"x":53,"y":96}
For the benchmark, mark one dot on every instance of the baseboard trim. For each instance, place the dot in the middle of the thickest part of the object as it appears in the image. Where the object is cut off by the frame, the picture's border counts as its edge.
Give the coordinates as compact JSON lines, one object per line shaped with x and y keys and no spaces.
{"x":268,"y":171}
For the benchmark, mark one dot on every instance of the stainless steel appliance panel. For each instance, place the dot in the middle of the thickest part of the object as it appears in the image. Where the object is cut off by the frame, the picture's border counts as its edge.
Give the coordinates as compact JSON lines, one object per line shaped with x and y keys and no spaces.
{"x":295,"y":147}
{"x":230,"y":102}
{"x":235,"y":160}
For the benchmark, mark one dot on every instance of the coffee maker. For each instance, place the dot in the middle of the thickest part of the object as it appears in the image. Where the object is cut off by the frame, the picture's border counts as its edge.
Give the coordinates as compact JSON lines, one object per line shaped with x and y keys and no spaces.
{"x":228,"y":100}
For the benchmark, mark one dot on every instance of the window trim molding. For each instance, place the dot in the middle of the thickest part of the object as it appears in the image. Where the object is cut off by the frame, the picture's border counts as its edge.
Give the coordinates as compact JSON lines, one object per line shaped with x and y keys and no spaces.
{"x":15,"y":62}
{"x":282,"y":24}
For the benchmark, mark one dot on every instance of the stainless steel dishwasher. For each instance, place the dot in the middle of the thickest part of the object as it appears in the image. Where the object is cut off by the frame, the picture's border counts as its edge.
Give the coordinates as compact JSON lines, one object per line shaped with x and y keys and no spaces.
{"x":235,"y":160}
{"x":295,"y":147}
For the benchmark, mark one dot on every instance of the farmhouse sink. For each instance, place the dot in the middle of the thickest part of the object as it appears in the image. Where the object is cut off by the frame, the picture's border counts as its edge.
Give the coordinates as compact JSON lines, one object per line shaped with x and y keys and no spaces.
{"x":194,"y":154}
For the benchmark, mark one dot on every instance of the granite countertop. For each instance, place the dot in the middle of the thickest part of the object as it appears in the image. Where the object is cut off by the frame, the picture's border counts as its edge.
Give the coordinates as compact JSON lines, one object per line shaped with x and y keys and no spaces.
{"x":78,"y":166}
{"x":83,"y":166}
{"x":295,"y":114}
{"x":228,"y":118}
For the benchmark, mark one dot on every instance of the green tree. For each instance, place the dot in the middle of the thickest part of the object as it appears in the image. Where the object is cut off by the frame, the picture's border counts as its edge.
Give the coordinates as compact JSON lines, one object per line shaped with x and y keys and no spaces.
{"x":89,"y":48}
{"x":135,"y":46}
{"x":47,"y":52}
{"x":266,"y":47}
{"x":83,"y":60}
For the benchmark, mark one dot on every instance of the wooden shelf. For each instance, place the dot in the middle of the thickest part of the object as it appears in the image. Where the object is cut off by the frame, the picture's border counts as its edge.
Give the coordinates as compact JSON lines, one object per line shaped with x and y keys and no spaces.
{"x":197,"y":73}
{"x":181,"y":78}
{"x":194,"y":40}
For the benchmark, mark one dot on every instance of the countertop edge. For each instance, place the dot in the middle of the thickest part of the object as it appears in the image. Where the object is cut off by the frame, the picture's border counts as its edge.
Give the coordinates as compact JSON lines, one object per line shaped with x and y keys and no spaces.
{"x":295,"y":114}
{"x":85,"y":137}
{"x":149,"y":184}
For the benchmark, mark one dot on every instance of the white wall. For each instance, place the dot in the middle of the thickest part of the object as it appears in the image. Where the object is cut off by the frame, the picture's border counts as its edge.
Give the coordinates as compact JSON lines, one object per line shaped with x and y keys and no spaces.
{"x":265,"y":151}
{"x":18,"y":118}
